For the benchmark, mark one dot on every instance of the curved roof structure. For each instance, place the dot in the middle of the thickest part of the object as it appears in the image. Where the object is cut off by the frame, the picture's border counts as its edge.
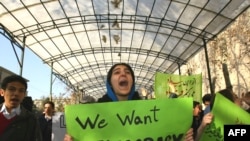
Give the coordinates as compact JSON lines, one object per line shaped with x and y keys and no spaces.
{"x":82,"y":39}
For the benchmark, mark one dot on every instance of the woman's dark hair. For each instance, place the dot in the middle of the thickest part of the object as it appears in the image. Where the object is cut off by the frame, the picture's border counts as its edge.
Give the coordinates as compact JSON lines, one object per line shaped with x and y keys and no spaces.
{"x":227,"y":93}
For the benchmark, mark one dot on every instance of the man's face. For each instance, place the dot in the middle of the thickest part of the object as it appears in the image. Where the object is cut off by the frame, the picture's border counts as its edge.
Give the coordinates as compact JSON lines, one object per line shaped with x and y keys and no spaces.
{"x":13,"y":95}
{"x":48,"y":109}
{"x":121,"y":80}
{"x":206,"y":103}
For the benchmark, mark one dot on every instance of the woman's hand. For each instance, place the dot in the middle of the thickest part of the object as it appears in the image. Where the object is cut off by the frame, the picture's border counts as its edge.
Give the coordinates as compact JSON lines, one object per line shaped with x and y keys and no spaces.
{"x":67,"y":137}
{"x":189,"y":135}
{"x":207,"y":119}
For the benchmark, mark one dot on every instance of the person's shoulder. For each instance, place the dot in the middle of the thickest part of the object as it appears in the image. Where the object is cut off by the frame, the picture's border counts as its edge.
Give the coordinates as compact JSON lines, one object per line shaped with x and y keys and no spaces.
{"x":104,"y":98}
{"x":136,"y":96}
{"x":41,"y":116}
{"x":26,"y":113}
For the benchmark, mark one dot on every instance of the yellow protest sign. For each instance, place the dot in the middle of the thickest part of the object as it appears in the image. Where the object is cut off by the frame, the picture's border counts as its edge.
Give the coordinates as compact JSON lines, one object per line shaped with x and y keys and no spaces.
{"x":137,"y":120}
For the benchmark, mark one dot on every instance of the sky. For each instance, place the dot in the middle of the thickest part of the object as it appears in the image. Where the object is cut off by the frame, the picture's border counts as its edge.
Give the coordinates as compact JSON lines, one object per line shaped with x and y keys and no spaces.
{"x":38,"y":73}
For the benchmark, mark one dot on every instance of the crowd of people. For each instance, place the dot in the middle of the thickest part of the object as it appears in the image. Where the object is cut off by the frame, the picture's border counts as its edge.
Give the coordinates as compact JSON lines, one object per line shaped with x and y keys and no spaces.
{"x":18,"y":123}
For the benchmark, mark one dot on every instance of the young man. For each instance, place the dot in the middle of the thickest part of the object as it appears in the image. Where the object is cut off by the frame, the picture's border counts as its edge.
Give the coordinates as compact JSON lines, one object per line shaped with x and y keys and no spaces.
{"x":206,"y":99}
{"x":16,"y":123}
{"x":45,"y":120}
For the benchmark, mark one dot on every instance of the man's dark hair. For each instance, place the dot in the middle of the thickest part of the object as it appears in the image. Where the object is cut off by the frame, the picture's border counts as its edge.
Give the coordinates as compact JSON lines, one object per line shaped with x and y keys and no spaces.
{"x":13,"y":78}
{"x":28,"y":103}
{"x":51,"y":103}
{"x":195,"y":103}
{"x":206,"y":97}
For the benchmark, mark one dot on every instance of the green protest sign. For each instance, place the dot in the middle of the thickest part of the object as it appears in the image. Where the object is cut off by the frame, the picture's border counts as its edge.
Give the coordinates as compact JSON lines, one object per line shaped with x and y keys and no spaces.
{"x":182,"y":85}
{"x":225,"y":113}
{"x":137,"y":120}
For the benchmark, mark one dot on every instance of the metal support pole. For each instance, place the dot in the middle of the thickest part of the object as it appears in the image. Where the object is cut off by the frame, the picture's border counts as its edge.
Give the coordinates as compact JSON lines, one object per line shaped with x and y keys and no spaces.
{"x":208,"y":67}
{"x":22,"y":56}
{"x":51,"y":79}
{"x":179,"y":67}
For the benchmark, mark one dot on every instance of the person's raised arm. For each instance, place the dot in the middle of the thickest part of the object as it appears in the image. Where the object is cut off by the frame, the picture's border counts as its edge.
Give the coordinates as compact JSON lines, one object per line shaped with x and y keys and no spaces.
{"x":207,"y":119}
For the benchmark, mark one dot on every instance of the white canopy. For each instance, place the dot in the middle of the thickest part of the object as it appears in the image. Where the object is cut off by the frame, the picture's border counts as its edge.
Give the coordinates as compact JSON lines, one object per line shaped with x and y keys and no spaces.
{"x":82,"y":39}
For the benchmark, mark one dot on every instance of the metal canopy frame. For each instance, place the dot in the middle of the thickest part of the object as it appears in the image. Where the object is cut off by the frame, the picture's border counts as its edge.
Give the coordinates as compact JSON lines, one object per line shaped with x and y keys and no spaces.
{"x":82,"y":39}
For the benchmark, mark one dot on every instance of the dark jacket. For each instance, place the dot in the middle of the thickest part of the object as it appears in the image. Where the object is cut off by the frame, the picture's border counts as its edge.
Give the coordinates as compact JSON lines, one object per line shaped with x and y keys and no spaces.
{"x":24,"y":127}
{"x":46,"y":127}
{"x":106,"y":98}
{"x":195,"y":125}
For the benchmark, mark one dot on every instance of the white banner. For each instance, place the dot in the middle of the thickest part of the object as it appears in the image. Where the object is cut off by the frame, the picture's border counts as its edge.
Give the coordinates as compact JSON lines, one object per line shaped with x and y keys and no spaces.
{"x":58,"y":126}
